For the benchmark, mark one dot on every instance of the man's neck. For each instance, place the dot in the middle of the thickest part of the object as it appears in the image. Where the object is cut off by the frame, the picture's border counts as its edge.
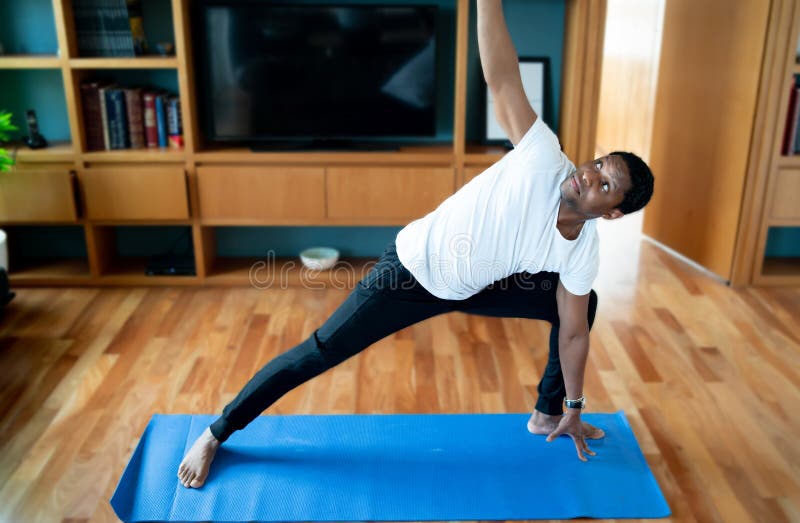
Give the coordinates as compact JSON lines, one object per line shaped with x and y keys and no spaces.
{"x":569,"y":222}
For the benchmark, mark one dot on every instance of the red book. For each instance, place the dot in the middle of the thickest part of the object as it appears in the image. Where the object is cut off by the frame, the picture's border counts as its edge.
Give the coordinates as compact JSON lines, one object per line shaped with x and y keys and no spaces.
{"x":150,"y":126}
{"x":133,"y":105}
{"x":791,"y":121}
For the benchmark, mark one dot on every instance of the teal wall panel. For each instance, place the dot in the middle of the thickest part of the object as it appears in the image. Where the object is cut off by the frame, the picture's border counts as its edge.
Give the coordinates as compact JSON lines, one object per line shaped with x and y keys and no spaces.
{"x":783,"y":242}
{"x":537,"y":30}
{"x":289,"y":241}
{"x":28,"y":27}
{"x":153,"y":240}
{"x":46,"y":241}
{"x":40,"y":90}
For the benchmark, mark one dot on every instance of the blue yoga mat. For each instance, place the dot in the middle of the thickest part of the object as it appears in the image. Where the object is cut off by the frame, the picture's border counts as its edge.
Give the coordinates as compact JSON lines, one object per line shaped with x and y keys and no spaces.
{"x":397,"y":467}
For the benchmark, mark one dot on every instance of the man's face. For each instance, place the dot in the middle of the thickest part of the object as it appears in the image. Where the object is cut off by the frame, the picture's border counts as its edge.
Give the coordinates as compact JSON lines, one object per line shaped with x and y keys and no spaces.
{"x":598,"y":187}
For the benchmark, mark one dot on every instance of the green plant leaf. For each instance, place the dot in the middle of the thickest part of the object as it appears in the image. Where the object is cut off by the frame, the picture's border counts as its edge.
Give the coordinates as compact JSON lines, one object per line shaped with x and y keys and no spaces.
{"x":5,"y":161}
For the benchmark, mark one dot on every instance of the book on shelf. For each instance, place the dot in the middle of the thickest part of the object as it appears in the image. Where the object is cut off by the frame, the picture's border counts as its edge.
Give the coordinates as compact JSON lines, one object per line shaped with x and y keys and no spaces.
{"x":92,"y":116}
{"x":791,"y":137}
{"x":108,"y":27}
{"x":161,"y":119}
{"x":133,"y":105}
{"x":174,"y":125}
{"x":150,"y":126}
{"x":117,"y":117}
{"x":101,"y":92}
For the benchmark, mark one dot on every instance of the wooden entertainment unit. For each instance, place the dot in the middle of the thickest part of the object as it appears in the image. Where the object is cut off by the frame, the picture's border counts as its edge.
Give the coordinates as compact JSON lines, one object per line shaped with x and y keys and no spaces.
{"x":203,"y":188}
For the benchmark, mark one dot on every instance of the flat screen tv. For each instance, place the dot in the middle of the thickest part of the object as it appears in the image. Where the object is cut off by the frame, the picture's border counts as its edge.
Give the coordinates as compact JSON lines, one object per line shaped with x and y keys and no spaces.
{"x":273,"y":74}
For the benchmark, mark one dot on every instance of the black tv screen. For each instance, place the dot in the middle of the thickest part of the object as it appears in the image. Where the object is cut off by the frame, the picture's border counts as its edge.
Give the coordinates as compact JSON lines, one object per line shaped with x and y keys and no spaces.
{"x":292,"y":72}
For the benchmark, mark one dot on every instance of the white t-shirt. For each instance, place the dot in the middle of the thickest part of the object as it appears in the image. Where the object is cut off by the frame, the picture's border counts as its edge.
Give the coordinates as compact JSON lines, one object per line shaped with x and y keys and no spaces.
{"x":500,"y":223}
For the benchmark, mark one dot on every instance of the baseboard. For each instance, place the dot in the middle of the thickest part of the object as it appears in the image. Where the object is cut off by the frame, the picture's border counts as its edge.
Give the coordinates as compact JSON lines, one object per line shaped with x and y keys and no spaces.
{"x":686,"y":260}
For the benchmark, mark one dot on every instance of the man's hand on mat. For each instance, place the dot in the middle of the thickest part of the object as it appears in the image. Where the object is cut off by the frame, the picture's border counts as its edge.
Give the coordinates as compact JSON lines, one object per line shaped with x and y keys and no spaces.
{"x":571,"y":425}
{"x":544,"y":424}
{"x":193,"y":470}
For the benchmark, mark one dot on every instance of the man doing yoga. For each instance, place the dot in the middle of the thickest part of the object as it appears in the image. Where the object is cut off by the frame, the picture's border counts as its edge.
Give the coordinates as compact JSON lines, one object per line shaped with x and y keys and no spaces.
{"x":518,"y":240}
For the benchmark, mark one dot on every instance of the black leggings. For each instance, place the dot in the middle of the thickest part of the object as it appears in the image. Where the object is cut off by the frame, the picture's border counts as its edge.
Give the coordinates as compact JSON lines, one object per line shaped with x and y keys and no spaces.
{"x":386,"y":300}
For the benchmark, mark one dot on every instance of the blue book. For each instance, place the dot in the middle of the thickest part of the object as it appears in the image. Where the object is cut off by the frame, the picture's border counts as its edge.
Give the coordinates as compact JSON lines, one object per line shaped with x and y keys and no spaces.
{"x":117,"y":119}
{"x":161,"y":120}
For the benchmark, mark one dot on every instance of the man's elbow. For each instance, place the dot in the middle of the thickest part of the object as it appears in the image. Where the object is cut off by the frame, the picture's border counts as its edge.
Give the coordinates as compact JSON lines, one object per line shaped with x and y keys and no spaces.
{"x":575,"y":334}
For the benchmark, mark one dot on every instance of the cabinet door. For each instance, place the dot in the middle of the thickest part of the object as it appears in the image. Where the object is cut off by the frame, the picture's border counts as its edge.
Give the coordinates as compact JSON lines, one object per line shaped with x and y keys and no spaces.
{"x":387,"y":192}
{"x":786,"y":195}
{"x":151,"y":193}
{"x":37,"y":196}
{"x":261,"y":193}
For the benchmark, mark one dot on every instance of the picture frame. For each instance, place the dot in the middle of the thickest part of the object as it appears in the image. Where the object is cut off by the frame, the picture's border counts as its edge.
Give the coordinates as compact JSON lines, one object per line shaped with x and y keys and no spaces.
{"x":535,"y":73}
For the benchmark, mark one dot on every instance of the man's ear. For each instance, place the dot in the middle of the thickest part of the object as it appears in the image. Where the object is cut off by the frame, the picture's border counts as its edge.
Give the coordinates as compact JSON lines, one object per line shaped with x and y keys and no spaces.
{"x":613,"y":214}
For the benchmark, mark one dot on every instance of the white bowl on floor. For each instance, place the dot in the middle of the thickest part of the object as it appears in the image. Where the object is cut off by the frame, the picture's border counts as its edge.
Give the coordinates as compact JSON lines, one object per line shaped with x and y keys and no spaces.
{"x":319,"y":258}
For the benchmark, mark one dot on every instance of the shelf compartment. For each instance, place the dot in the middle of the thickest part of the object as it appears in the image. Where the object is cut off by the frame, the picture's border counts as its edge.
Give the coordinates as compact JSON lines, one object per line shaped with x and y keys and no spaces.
{"x":32,"y":61}
{"x":148,"y":80}
{"x":781,"y":266}
{"x":28,"y":27}
{"x":229,"y":252}
{"x":41,"y":90}
{"x":46,"y":254}
{"x":125,"y":251}
{"x":143,"y":62}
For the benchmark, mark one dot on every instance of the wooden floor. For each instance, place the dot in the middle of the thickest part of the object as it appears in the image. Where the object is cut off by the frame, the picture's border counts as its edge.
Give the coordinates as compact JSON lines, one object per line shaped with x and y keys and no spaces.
{"x":707,"y":375}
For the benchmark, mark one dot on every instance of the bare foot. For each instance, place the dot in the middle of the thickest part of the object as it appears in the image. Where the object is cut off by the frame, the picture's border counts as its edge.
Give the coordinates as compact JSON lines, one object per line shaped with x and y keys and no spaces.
{"x":193,"y":470}
{"x":541,"y":423}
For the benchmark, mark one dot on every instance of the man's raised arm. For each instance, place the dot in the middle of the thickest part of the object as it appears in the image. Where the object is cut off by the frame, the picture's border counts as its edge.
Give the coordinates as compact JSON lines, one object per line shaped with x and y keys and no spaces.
{"x":501,"y":71}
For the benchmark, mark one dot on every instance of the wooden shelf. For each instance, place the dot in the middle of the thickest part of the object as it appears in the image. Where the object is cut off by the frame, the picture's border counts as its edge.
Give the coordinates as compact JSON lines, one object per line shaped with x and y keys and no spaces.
{"x":50,"y":272}
{"x":33,"y":61}
{"x":284,"y":272}
{"x":58,"y":152}
{"x":782,"y":222}
{"x":780,"y":271}
{"x":484,"y":154}
{"x":136,"y":155}
{"x":144,"y":62}
{"x":130,"y":271}
{"x":415,"y":155}
{"x":789,"y":161}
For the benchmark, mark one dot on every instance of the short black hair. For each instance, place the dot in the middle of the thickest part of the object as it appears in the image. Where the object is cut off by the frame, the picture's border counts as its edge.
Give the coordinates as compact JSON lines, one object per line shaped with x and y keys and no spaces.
{"x":641,"y":183}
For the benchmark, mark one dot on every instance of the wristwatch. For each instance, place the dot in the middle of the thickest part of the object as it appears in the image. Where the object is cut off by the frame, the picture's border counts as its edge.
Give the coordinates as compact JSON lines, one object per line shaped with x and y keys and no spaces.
{"x":579,"y":403}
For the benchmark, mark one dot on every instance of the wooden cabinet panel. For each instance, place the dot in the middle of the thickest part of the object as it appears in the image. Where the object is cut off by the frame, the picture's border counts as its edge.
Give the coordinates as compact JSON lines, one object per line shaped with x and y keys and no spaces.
{"x":703,"y":127}
{"x":261,"y":193}
{"x":385,"y":192}
{"x":37,"y":196}
{"x":786,"y":195}
{"x":145,"y":193}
